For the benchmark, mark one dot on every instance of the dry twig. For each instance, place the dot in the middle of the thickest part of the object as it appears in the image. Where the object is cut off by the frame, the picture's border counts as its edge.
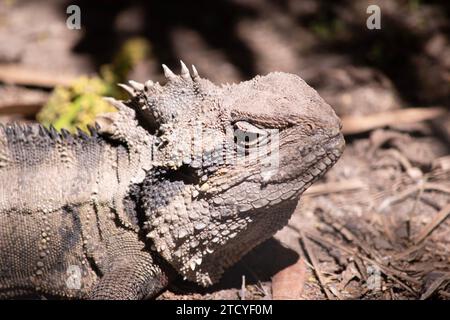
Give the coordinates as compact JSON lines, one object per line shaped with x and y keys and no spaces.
{"x":334,"y":187}
{"x":359,"y":124}
{"x":389,"y":272}
{"x":315,"y":263}
{"x":437,"y":220}
{"x":16,"y":74}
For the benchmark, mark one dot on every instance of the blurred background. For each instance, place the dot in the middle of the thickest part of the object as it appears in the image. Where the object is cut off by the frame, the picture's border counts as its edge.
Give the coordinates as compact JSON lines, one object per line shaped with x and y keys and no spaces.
{"x":357,"y":70}
{"x":383,"y":207}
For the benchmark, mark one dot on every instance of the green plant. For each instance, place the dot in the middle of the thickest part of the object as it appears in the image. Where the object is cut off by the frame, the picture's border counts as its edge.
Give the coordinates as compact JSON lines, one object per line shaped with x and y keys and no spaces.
{"x":77,"y":105}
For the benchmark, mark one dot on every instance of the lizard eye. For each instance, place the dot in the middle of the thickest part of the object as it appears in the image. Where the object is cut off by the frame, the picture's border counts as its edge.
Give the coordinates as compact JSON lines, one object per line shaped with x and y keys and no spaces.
{"x":247,"y":135}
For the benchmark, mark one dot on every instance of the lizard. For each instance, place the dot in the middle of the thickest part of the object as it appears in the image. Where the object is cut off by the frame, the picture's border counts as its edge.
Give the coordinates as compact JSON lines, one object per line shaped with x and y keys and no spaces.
{"x":184,"y":179}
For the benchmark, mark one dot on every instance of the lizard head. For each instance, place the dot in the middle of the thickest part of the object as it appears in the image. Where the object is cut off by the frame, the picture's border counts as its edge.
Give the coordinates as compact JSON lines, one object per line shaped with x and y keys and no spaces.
{"x":230,"y":165}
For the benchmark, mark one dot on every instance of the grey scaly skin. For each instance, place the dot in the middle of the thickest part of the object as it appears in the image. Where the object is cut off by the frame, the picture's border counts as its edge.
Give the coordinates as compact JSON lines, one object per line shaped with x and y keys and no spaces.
{"x":186,"y":178}
{"x":67,"y":214}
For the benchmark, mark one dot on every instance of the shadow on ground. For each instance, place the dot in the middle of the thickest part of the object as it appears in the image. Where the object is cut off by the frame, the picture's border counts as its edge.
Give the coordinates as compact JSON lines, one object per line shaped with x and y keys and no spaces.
{"x":259,"y":265}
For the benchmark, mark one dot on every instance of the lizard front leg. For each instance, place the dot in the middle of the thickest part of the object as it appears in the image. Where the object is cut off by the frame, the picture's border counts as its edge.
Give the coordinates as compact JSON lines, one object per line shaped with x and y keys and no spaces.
{"x":132,"y":278}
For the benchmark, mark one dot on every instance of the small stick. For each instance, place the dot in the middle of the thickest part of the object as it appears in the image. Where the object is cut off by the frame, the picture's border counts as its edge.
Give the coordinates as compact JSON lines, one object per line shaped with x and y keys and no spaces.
{"x":437,"y":220}
{"x":437,"y":187}
{"x":386,"y":270}
{"x":359,"y":124}
{"x":315,"y":263}
{"x":435,"y":285}
{"x":399,"y":197}
{"x":413,"y":210}
{"x":334,"y":187}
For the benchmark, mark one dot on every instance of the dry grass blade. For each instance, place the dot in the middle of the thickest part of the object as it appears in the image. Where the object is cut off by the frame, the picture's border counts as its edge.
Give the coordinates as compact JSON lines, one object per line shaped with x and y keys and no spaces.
{"x":334,"y":187}
{"x":434,"y":286}
{"x":437,"y":187}
{"x":399,"y":197}
{"x":359,"y":124}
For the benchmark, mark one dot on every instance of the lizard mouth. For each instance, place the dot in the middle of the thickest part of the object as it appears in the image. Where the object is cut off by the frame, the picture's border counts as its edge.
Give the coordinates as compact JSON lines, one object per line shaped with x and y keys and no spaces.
{"x":336,"y":144}
{"x":293,"y":177}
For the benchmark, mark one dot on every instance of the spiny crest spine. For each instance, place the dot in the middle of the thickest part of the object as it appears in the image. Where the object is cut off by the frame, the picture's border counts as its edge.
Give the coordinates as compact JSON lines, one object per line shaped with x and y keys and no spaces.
{"x":135,"y":88}
{"x":23,"y":131}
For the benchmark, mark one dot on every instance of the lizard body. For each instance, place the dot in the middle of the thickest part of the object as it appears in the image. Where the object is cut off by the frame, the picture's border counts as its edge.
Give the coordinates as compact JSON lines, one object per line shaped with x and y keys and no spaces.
{"x":186,"y":178}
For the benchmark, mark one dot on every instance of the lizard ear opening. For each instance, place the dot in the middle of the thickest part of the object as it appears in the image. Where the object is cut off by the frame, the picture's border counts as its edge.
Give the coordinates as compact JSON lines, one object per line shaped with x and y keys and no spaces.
{"x":147,"y":120}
